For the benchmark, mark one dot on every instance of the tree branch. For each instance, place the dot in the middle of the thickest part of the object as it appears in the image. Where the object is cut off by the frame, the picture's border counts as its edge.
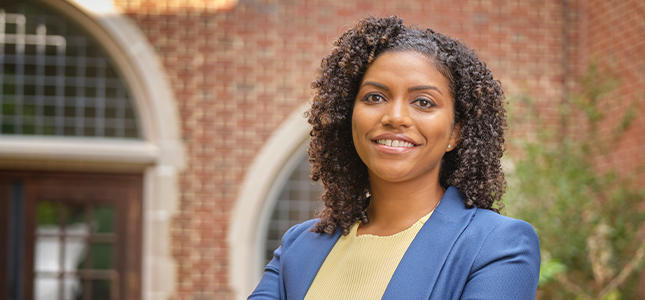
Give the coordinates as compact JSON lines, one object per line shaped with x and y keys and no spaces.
{"x":572,"y":287}
{"x":618,"y":280}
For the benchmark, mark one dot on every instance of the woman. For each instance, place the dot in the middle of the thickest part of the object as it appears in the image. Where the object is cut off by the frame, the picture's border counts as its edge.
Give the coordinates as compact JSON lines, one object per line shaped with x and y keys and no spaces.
{"x":408,"y":132}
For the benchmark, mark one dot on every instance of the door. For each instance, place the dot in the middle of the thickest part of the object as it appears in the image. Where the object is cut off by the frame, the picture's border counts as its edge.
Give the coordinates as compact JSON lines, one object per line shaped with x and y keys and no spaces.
{"x":70,"y":236}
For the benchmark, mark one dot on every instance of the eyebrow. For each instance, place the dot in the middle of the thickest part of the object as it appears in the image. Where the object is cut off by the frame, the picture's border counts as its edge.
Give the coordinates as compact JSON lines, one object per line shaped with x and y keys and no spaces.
{"x":424,"y":87}
{"x":412,"y":89}
{"x":376,"y":84}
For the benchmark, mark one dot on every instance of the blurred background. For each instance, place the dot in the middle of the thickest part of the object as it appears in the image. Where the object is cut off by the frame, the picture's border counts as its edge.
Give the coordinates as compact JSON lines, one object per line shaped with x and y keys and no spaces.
{"x":156,"y":149}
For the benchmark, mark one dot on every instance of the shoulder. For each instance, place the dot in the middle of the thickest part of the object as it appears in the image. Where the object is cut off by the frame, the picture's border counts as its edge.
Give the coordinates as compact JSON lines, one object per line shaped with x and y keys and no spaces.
{"x":487,"y":222}
{"x":299,"y":231}
{"x":496,"y":248}
{"x":491,"y":219}
{"x":301,"y":242}
{"x":478,"y":224}
{"x":501,"y":236}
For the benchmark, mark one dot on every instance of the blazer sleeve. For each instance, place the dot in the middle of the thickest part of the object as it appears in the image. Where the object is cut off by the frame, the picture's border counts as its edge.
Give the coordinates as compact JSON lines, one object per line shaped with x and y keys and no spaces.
{"x":270,"y":285}
{"x":507,"y":266}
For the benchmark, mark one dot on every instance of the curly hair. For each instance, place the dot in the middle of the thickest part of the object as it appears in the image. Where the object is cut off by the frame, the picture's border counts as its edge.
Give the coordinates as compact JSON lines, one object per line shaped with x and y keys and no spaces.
{"x":473,"y":167}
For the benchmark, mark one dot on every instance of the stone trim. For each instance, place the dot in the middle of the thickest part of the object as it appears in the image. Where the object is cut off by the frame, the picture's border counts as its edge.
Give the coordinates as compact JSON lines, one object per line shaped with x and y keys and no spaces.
{"x":251,"y":213}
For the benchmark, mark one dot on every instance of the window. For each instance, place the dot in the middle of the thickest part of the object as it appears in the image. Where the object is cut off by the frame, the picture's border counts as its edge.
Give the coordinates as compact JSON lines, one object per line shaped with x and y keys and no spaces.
{"x":56,"y":80}
{"x":298,"y":200}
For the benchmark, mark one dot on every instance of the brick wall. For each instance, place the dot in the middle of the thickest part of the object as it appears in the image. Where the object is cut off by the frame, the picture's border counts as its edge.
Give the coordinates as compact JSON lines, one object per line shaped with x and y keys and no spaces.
{"x":612,"y":35}
{"x":237,"y":71}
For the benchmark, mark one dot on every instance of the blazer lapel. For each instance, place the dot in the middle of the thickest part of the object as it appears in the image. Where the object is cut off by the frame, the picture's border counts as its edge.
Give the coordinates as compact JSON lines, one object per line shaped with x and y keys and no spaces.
{"x":305,"y":261}
{"x":422,"y":262}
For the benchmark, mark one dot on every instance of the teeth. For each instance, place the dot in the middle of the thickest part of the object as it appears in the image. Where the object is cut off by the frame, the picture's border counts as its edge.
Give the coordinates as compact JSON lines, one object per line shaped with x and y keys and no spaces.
{"x":395,"y":143}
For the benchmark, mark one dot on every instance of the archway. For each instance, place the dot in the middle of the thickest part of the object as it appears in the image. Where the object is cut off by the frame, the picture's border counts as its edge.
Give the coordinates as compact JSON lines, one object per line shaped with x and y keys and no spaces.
{"x":252,"y":211}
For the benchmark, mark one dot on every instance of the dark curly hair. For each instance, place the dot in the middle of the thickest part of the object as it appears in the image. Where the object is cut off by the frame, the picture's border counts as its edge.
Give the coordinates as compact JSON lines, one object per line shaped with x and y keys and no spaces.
{"x":473,"y":167}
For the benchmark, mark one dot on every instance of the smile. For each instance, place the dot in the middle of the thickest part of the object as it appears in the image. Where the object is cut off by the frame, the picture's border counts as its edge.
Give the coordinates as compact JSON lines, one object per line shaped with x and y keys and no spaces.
{"x":395,"y":143}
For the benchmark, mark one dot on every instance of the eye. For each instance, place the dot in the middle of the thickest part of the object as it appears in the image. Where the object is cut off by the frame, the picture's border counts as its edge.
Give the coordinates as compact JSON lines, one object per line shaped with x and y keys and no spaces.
{"x":374,"y":98}
{"x":424,"y":103}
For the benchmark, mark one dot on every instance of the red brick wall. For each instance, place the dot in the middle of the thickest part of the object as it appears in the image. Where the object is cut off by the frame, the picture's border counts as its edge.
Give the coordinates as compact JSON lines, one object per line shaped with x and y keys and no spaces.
{"x":612,"y":33}
{"x":237,"y":73}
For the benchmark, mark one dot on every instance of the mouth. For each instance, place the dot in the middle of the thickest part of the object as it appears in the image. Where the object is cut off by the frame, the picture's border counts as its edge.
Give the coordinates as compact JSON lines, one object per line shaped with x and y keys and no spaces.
{"x":395,"y":143}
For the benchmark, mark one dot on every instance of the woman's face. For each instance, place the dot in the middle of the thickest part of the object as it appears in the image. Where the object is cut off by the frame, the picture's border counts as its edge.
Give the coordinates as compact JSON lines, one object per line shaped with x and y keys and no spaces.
{"x":402,"y":122}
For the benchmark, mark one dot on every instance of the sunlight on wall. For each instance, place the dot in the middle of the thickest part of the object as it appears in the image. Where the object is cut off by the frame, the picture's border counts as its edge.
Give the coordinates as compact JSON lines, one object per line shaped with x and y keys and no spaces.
{"x":176,"y":4}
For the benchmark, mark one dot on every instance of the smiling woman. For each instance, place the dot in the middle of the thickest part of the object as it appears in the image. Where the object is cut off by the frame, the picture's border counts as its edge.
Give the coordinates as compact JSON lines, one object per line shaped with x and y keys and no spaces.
{"x":407,"y":135}
{"x":402,"y":125}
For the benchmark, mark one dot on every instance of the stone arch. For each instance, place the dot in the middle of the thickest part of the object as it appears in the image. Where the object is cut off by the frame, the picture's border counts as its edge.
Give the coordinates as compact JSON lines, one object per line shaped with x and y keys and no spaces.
{"x":251,"y":212}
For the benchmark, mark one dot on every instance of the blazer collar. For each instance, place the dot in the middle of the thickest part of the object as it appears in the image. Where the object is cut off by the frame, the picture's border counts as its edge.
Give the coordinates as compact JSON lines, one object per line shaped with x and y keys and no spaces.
{"x":419,"y":266}
{"x":429,"y":250}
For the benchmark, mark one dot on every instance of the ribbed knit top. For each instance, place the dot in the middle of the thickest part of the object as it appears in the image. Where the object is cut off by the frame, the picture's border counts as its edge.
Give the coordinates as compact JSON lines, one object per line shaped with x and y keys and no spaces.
{"x":360,"y":267}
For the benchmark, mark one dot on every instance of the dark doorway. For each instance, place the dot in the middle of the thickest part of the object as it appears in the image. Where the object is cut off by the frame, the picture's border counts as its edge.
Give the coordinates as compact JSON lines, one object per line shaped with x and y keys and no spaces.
{"x":70,"y":236}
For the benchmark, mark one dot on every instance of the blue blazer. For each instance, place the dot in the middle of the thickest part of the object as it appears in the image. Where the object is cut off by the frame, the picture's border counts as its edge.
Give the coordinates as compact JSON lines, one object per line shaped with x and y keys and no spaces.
{"x":459,"y":253}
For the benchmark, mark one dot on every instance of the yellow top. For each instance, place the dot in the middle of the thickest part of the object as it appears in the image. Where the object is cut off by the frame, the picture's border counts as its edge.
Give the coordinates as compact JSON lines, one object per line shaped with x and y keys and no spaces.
{"x":360,"y":267}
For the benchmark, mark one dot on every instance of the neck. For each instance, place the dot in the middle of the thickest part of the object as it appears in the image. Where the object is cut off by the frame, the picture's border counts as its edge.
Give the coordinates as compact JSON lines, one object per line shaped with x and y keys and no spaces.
{"x":395,"y":206}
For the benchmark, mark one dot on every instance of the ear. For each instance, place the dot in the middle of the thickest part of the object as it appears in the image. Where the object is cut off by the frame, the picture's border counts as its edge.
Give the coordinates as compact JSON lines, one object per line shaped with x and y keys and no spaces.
{"x":454,"y":137}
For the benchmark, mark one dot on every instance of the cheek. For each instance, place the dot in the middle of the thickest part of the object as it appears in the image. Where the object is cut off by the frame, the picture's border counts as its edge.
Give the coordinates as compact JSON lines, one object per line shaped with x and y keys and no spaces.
{"x":437,"y":129}
{"x":355,"y":128}
{"x":360,"y":128}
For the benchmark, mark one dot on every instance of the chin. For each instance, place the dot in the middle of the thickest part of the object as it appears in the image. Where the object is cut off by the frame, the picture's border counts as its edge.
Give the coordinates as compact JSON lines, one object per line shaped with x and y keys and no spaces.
{"x":392,"y":175}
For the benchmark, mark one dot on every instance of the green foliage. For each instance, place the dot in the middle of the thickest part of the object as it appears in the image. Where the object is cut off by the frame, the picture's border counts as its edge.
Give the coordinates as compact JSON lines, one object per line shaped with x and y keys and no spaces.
{"x":588,"y":222}
{"x":594,"y":85}
{"x":549,"y":269}
{"x":615,"y":295}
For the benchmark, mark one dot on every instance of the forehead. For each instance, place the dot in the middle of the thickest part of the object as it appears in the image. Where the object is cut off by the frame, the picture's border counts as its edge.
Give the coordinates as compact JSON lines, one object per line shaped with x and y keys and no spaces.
{"x":405,"y":68}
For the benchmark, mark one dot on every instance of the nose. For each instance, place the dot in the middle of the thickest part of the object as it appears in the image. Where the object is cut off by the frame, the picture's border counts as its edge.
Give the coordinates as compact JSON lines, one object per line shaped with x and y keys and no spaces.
{"x":396,"y":114}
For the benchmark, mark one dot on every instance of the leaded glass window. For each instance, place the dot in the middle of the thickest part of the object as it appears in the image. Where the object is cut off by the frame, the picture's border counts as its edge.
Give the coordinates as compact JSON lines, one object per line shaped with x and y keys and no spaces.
{"x":298,"y":200}
{"x":56,"y":80}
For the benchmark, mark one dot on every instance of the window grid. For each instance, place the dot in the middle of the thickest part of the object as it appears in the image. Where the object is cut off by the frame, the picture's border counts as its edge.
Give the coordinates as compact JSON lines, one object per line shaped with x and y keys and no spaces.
{"x":56,"y":81}
{"x":76,"y":232}
{"x":297,"y":201}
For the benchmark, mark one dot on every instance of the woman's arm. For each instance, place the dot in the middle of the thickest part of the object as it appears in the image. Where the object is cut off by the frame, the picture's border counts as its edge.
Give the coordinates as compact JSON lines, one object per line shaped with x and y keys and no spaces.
{"x":269,"y":286}
{"x":507,"y":266}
